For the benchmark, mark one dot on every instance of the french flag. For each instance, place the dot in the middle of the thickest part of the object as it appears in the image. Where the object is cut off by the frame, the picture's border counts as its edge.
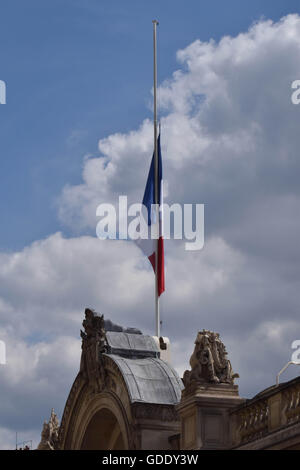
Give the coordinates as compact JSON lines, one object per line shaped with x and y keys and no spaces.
{"x":148,"y":246}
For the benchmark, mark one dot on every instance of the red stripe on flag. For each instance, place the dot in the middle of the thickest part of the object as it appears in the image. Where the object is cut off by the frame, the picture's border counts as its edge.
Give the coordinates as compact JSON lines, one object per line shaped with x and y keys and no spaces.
{"x":160,"y":267}
{"x":151,"y":258}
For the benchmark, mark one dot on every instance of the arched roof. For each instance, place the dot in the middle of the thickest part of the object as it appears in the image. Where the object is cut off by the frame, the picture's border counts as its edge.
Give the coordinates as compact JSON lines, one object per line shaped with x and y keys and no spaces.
{"x":149,"y":380}
{"x":147,"y":377}
{"x":119,"y":369}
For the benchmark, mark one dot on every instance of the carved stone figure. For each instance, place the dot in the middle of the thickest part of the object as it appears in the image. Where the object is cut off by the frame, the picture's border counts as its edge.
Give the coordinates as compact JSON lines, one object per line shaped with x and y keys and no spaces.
{"x":209,"y":361}
{"x":94,"y":330}
{"x":93,"y":343}
{"x":49,"y":434}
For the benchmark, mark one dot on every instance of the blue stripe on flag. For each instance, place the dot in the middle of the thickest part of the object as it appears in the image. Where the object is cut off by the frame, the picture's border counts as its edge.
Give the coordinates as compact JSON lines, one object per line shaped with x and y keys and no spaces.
{"x":149,"y":196}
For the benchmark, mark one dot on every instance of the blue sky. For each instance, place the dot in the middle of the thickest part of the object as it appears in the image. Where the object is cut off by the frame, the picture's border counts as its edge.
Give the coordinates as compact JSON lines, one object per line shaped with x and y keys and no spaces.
{"x":77,"y":71}
{"x":79,"y":78}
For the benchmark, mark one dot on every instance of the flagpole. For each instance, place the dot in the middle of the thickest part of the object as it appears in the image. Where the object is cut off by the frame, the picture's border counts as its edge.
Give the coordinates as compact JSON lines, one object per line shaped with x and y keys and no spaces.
{"x":157,"y":315}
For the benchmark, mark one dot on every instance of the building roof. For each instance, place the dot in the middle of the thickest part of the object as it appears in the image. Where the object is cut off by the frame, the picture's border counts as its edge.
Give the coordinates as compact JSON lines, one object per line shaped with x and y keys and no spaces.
{"x":131,"y":345}
{"x":148,"y":378}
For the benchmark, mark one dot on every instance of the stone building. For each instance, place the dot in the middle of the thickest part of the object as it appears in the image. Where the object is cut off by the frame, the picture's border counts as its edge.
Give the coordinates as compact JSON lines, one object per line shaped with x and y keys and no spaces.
{"x":127,"y":396}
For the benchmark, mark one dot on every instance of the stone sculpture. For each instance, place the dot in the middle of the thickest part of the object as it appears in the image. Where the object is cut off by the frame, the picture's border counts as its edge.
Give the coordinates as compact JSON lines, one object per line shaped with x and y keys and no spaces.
{"x":209,"y":361}
{"x":49,"y":435}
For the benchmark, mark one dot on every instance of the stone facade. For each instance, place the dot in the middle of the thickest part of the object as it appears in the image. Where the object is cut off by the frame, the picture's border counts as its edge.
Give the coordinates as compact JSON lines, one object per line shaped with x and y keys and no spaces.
{"x":208,"y":396}
{"x":127,"y":396}
{"x":123,"y":396}
{"x":271,"y":420}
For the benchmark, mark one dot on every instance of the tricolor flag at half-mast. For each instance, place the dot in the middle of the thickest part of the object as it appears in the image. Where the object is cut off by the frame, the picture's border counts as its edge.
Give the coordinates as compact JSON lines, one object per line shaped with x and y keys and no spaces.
{"x":148,"y":246}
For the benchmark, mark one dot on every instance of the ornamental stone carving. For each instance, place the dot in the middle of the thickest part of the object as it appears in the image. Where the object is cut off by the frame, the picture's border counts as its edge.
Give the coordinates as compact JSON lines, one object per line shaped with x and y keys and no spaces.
{"x":114,"y":362}
{"x":160,"y":412}
{"x":49,"y":435}
{"x":93,"y":344}
{"x":209,"y":362}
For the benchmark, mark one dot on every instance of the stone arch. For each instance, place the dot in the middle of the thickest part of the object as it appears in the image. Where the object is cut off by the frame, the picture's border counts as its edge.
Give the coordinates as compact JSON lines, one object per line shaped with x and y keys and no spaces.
{"x":124,"y":395}
{"x":102,"y":410}
{"x":104,"y":432}
{"x":90,"y":407}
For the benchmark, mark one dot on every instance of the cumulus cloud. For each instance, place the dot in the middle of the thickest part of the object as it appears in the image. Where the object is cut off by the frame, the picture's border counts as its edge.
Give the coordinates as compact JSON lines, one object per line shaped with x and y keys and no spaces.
{"x":230,"y":140}
{"x":41,"y":331}
{"x":34,"y":377}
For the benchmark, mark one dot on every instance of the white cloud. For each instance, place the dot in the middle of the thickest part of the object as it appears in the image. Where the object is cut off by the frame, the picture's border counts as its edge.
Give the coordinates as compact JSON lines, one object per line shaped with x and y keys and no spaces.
{"x":230,"y":140}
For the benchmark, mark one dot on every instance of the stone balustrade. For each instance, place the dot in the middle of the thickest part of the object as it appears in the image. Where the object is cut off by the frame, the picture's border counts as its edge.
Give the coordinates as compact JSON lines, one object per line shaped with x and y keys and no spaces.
{"x":266,"y":417}
{"x":291,"y":400}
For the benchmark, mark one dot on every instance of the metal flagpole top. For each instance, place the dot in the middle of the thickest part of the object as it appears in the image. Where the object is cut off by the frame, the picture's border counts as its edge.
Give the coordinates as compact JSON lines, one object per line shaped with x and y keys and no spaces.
{"x":155,"y":22}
